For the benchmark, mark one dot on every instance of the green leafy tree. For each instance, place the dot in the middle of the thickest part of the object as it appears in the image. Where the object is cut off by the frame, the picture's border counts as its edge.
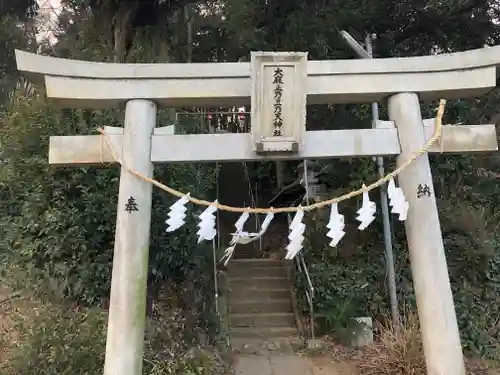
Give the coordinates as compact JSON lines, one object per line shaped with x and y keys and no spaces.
{"x":16,"y":19}
{"x":61,"y":221}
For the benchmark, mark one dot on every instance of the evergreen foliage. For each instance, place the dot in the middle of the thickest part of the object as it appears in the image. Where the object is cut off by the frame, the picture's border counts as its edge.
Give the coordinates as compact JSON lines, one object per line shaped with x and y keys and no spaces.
{"x":57,"y":230}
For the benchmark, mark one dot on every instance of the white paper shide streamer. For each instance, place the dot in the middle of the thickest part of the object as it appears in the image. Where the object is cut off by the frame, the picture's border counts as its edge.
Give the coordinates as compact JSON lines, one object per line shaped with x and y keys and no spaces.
{"x":236,"y":237}
{"x":366,"y":214}
{"x":265,"y":224}
{"x":240,"y":224}
{"x":177,"y":214}
{"x":241,"y":237}
{"x":397,"y":200}
{"x":296,"y":237}
{"x":335,"y":225}
{"x":206,"y":225}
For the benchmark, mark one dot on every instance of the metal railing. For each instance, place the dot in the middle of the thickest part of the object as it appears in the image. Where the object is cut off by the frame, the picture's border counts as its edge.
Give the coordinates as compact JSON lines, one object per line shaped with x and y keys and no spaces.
{"x":216,"y":276}
{"x":301,"y":266}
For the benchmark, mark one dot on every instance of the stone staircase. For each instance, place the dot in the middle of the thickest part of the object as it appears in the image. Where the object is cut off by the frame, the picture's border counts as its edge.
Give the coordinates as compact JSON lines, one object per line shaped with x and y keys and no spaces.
{"x":261,"y":314}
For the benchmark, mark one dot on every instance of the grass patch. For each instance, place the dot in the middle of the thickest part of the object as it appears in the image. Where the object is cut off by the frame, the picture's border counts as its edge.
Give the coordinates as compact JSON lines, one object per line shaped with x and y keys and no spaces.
{"x":400,"y":352}
{"x":47,"y":339}
{"x":42,"y":338}
{"x":395,"y":352}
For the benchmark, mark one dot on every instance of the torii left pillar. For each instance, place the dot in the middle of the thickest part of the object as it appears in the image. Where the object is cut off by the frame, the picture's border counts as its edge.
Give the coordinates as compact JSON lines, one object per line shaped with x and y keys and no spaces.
{"x":127,"y":309}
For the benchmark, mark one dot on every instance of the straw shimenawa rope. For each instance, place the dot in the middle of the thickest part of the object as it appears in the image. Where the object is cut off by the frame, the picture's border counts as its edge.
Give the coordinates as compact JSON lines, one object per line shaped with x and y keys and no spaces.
{"x":222,"y":207}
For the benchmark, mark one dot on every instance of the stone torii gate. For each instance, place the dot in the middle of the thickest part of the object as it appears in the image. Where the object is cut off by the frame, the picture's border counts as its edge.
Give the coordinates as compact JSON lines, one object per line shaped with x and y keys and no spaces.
{"x":277,"y":86}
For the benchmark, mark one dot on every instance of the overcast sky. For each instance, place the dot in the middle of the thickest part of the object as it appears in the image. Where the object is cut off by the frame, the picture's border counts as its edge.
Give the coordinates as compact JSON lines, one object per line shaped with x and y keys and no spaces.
{"x":48,"y":11}
{"x":54,"y":3}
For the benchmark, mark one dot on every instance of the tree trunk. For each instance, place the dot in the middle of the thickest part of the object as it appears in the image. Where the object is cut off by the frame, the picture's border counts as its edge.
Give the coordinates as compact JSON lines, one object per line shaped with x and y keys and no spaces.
{"x":123,"y":29}
{"x":189,"y":25}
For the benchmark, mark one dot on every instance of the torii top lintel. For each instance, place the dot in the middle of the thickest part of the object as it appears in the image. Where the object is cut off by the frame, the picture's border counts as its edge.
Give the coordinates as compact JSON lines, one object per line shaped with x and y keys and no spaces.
{"x":74,"y":83}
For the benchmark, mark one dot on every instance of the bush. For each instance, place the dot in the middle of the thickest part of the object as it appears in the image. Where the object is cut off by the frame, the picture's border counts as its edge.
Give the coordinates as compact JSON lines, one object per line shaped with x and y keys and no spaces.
{"x":355,"y":285}
{"x":47,"y":339}
{"x":400,"y":352}
{"x":60,"y":222}
{"x":395,"y":352}
{"x":359,"y":282}
{"x":52,"y":339}
{"x":56,"y":242}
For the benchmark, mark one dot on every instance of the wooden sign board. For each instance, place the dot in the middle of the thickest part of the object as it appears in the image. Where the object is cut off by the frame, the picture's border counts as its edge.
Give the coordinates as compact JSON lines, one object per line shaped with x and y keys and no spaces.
{"x":278,"y":100}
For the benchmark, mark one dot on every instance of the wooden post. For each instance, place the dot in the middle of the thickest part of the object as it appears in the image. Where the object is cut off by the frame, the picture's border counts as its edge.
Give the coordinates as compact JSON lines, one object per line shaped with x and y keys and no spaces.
{"x":438,"y":322}
{"x":127,"y":310}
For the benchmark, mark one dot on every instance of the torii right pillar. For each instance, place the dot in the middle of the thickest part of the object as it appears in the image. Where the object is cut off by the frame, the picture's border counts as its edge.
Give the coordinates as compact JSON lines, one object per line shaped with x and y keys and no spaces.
{"x":436,"y":309}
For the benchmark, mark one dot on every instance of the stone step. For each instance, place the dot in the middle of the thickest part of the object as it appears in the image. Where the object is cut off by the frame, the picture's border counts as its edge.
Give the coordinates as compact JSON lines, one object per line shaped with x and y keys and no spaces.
{"x":260,"y":307}
{"x":259,"y":263}
{"x":271,"y":346}
{"x":262,"y":320}
{"x":255,"y":271}
{"x":264,"y":333}
{"x":244,"y":255}
{"x":265,"y":348}
{"x":245,"y":251}
{"x":258,"y":282}
{"x":252,"y":293}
